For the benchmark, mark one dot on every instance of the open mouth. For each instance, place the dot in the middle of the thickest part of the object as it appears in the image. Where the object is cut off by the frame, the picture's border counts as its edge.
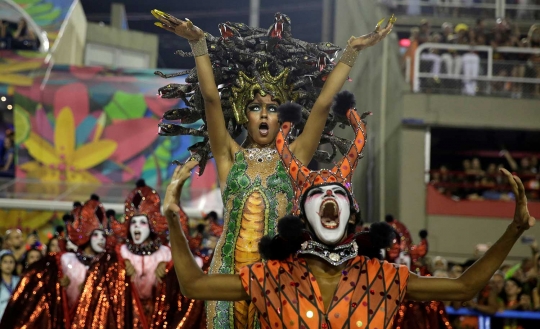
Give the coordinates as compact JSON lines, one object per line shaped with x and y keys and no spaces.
{"x":101,"y":245}
{"x":136,"y":235}
{"x":263,"y":129}
{"x":329,"y":213}
{"x":277,"y":30}
{"x":226,"y":32}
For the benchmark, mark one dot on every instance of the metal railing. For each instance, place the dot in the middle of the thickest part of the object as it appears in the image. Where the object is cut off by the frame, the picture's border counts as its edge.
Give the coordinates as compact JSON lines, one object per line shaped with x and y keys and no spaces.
{"x":474,"y":70}
{"x":465,"y":8}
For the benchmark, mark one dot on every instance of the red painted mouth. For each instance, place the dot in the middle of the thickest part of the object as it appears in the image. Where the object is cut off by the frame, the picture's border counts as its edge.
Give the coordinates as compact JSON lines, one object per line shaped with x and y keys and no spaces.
{"x":329,"y":213}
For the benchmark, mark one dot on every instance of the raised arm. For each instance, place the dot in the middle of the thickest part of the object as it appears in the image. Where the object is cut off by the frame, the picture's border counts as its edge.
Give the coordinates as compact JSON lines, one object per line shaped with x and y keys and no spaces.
{"x":477,"y":276}
{"x":306,"y":144}
{"x":194,"y":283}
{"x":220,"y":140}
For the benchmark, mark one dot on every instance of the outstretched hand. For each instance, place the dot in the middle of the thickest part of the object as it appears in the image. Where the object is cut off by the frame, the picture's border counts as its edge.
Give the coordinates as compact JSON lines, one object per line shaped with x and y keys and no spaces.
{"x":172,"y":196}
{"x":184,"y":29}
{"x":522,"y":219}
{"x":374,"y":37}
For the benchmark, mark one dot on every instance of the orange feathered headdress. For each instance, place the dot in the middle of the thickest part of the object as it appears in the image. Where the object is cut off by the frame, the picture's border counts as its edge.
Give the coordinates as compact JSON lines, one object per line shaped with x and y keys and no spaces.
{"x":303,"y":178}
{"x":145,"y":201}
{"x":86,"y":219}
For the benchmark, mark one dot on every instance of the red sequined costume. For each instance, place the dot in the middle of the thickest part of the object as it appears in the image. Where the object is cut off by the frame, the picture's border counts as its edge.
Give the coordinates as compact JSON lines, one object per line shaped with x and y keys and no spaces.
{"x":39,"y":301}
{"x":420,"y":315}
{"x":142,"y":301}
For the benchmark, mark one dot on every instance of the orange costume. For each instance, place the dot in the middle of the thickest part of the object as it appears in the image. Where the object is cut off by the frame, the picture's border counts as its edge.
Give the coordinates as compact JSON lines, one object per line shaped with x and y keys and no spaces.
{"x":287,"y":295}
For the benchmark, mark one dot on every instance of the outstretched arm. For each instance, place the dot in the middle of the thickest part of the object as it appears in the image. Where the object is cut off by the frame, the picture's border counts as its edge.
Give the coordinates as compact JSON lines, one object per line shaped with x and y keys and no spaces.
{"x":220,"y":140}
{"x":306,"y":144}
{"x":477,"y":276}
{"x":194,"y":283}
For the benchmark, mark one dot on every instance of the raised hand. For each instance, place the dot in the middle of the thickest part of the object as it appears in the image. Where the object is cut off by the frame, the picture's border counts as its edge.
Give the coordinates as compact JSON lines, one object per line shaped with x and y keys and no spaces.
{"x":522,"y":219}
{"x":180,"y":176}
{"x":161,"y":270}
{"x":130,"y":270}
{"x":184,"y":29}
{"x":64,"y":281}
{"x":374,"y":37}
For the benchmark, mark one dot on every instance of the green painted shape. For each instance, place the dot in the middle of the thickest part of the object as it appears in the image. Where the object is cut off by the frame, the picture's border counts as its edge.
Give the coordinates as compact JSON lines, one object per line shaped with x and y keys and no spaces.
{"x":41,"y":8}
{"x":50,"y":16}
{"x":126,"y":106}
{"x":23,"y":3}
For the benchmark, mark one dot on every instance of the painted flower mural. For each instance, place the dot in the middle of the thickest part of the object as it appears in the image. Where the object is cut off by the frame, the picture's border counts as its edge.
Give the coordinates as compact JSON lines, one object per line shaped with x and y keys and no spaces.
{"x":64,"y":161}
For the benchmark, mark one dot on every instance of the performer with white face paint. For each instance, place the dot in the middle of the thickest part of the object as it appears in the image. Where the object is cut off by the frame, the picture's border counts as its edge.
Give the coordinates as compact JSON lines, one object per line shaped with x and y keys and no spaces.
{"x":308,"y":283}
{"x":135,"y":286}
{"x":53,"y":286}
{"x":88,"y":234}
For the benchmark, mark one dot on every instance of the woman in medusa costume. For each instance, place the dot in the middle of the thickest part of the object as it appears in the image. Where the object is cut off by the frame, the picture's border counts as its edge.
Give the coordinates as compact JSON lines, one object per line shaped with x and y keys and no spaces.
{"x":318,"y":273}
{"x":256,"y":71}
{"x":135,"y":285}
{"x":50,"y":290}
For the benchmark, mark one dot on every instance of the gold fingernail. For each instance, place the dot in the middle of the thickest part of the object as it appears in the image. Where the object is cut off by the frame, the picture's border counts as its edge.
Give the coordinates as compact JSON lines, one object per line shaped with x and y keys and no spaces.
{"x":189,"y":23}
{"x":158,"y":24}
{"x":379,"y":24}
{"x":392,"y":19}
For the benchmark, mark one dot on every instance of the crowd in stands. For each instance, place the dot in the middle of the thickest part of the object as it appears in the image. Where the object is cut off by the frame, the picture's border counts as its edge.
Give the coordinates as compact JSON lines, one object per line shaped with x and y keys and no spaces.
{"x":475,"y":181}
{"x":461,"y":68}
{"x":17,"y":36}
{"x":514,"y":287}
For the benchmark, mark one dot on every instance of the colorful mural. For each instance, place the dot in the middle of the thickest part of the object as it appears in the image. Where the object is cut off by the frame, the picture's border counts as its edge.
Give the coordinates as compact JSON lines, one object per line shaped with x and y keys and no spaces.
{"x":94,"y":125}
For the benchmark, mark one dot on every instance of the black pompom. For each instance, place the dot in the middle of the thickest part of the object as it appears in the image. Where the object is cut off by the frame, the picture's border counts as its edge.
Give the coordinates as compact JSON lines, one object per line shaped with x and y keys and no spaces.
{"x":291,"y":234}
{"x":343,"y":102}
{"x":423,"y":234}
{"x":382,"y":235}
{"x":389,"y":218}
{"x":290,"y":112}
{"x":67,"y":218}
{"x":77,"y":204}
{"x":140,"y":183}
{"x":94,"y":197}
{"x":59,"y":229}
{"x":291,"y":228}
{"x":110,"y":213}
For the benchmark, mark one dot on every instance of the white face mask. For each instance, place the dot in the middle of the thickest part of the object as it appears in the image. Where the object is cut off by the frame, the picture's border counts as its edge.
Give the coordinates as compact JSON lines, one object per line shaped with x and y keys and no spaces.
{"x":97,"y":241}
{"x":327,"y":208}
{"x":139,"y":229}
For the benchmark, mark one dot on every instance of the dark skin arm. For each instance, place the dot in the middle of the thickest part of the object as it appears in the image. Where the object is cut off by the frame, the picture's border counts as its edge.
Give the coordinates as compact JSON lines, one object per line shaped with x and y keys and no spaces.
{"x":221,"y":143}
{"x":477,"y":276}
{"x":306,"y":144}
{"x":194,"y":283}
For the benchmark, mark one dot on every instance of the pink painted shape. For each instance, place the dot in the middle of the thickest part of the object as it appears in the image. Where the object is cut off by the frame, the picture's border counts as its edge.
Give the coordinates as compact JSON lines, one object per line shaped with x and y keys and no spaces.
{"x":85,"y":72}
{"x":201,"y":185}
{"x":159,"y":105}
{"x":74,"y":96}
{"x":136,"y":166}
{"x":42,"y":126}
{"x":133,"y":136}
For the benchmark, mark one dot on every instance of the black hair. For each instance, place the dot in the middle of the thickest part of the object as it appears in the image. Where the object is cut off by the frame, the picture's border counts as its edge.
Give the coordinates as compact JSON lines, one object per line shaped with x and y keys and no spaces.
{"x":200,"y":228}
{"x":51,"y":240}
{"x":389,"y":218}
{"x":212,"y":215}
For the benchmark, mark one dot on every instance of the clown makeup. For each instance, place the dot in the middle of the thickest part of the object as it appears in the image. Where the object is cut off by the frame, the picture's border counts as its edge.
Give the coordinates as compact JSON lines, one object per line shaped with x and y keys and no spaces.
{"x":97,"y":241}
{"x":328,"y":208}
{"x":139,"y":229}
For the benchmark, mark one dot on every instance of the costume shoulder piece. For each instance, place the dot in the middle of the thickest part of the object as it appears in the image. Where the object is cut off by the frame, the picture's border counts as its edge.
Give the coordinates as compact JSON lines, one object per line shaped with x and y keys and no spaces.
{"x":247,"y":61}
